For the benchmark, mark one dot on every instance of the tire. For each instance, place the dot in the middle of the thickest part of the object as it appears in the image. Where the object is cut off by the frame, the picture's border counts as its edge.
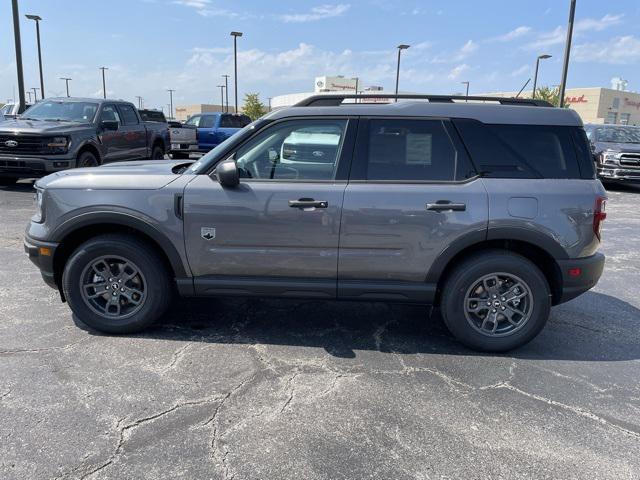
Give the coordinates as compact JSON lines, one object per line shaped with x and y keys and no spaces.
{"x":157,"y":153}
{"x":87,"y":159}
{"x":5,"y":181}
{"x":151,"y":285}
{"x":532,"y":298}
{"x":179,"y":156}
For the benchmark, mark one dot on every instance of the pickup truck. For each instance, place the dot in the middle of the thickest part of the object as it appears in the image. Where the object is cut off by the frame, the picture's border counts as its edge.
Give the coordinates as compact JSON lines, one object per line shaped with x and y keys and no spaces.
{"x":61,"y":133}
{"x":12,"y":110}
{"x":204,"y":131}
{"x":616,"y":152}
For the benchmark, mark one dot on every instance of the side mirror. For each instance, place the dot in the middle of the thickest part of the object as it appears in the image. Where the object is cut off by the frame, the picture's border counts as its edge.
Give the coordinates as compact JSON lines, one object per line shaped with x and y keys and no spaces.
{"x":109,"y":125}
{"x":227,"y":173}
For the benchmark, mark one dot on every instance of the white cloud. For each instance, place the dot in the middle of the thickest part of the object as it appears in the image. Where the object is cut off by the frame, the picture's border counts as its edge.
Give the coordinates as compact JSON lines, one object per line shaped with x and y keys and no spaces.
{"x":619,"y":50}
{"x":521,"y":71}
{"x":457,"y":71}
{"x":467,"y":49}
{"x":197,"y":4}
{"x":592,"y":24}
{"x":317,"y":13}
{"x":558,"y":35}
{"x":513,"y":34}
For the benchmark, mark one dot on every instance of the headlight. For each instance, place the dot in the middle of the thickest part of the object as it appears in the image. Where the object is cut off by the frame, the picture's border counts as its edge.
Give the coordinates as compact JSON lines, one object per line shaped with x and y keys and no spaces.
{"x":58,"y":144}
{"x":609,"y":156}
{"x":38,"y":217}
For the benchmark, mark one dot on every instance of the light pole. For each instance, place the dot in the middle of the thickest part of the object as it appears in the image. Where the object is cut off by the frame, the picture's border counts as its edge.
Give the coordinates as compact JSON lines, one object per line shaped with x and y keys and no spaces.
{"x":35,"y":93}
{"x":139,"y":101}
{"x":221,"y":87}
{"x":18,"y":45}
{"x":467,"y":84}
{"x":66,"y":79}
{"x":269,"y":100}
{"x":104,"y":85}
{"x":400,"y":48}
{"x":567,"y":53}
{"x":226,"y":90}
{"x":170,"y":90}
{"x":29,"y":93}
{"x":37,"y":19}
{"x":535,"y":75}
{"x":235,"y":36}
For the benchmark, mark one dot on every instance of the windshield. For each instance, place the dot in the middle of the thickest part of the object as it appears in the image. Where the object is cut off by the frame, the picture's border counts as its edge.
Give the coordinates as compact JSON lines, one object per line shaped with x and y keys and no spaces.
{"x":204,"y":162}
{"x":58,"y":110}
{"x":618,"y":135}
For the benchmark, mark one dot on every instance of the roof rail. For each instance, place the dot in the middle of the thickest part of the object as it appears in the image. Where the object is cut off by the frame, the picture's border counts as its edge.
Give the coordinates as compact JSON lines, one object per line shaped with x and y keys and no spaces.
{"x":337,"y":99}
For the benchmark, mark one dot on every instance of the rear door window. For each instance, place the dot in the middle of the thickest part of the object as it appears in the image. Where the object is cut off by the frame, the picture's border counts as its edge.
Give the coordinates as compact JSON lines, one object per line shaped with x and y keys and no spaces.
{"x":411,"y":150}
{"x":195,"y":120}
{"x":128,"y":114}
{"x":227,"y":121}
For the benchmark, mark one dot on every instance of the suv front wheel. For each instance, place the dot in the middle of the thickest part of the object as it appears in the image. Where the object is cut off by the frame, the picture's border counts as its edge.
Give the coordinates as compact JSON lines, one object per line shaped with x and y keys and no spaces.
{"x":495,"y":301}
{"x":116,"y":284}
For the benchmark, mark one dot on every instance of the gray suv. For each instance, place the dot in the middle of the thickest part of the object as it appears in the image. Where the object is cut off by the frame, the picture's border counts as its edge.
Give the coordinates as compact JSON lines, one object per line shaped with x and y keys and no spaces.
{"x":488,"y":208}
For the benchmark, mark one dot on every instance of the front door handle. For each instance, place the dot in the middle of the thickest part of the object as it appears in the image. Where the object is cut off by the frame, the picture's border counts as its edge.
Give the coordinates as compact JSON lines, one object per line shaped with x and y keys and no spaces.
{"x":446,"y":206}
{"x":308,"y":203}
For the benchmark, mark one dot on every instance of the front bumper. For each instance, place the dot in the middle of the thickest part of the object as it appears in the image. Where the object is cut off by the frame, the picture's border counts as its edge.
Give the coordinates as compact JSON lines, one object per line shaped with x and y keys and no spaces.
{"x":574,"y":285}
{"x":23,"y":166}
{"x":41,"y":254}
{"x":618,"y":174}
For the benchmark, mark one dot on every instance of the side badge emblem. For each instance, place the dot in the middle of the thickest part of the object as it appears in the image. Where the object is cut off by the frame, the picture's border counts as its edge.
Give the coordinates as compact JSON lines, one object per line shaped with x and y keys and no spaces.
{"x":208,"y":233}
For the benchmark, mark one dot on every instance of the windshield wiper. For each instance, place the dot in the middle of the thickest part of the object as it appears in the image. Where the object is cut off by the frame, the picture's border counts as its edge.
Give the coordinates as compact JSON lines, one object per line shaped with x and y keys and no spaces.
{"x":59,"y":120}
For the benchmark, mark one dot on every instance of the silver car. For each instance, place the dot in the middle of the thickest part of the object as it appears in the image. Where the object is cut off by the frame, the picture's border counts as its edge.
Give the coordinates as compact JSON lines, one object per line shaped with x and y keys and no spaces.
{"x":488,"y":208}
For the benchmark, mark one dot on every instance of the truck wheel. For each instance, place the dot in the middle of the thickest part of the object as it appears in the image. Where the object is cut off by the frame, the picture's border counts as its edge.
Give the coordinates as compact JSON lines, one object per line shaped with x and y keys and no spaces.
{"x":87,"y":159}
{"x":157,"y":153}
{"x":179,"y":156}
{"x":116,"y":284}
{"x":495,"y":301}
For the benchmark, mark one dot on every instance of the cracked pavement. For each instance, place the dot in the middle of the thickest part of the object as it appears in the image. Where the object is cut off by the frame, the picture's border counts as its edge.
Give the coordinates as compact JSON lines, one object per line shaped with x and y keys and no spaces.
{"x":275,"y":389}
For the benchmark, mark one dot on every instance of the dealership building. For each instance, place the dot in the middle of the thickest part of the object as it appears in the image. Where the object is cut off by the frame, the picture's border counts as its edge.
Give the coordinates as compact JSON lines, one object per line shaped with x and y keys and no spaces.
{"x":183,"y":112}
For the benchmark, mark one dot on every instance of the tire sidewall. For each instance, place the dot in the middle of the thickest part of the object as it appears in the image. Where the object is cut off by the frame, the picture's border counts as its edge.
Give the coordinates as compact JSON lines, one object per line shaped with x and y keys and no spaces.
{"x":468,"y":273}
{"x":84,"y":157}
{"x":156,"y":276}
{"x":157,"y":149}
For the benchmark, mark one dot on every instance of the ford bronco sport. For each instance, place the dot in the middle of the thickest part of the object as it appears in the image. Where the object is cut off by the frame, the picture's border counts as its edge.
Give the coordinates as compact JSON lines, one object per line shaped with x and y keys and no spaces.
{"x":488,"y":208}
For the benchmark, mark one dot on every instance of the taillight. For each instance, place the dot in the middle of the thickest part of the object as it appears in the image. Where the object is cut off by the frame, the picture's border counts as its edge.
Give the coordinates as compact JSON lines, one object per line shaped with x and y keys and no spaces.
{"x":599,"y":214}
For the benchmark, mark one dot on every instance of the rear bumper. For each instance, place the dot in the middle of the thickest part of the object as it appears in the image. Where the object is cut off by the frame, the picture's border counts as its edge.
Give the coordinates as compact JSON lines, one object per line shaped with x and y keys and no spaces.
{"x":23,"y":166}
{"x":41,"y":254}
{"x":575,"y":285}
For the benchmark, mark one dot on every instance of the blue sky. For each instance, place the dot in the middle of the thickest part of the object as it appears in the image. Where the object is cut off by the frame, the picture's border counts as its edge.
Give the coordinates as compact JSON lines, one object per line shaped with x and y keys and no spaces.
{"x":152,"y":45}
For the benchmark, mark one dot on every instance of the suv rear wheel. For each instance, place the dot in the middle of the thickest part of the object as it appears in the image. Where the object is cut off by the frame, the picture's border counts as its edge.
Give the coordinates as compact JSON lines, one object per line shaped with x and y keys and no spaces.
{"x":495,"y":301}
{"x":116,"y":284}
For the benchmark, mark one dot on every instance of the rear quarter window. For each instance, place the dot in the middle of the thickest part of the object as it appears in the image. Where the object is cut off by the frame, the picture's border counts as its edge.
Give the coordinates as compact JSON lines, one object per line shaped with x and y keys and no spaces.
{"x":521,"y":151}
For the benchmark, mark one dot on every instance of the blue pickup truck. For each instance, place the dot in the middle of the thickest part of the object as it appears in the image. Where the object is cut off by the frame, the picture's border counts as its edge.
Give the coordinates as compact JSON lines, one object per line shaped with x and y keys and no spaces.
{"x":204,"y":131}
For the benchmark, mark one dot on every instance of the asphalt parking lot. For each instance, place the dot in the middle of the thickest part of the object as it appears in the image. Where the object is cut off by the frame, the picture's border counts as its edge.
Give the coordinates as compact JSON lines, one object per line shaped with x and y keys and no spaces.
{"x":262,"y":389}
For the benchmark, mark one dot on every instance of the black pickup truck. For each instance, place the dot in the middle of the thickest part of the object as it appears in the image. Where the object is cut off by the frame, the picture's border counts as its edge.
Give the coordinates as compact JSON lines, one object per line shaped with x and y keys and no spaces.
{"x":60,"y":133}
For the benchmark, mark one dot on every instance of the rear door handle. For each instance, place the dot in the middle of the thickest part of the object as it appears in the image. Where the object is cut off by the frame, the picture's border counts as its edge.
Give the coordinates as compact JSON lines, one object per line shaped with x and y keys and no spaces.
{"x":446,"y":205}
{"x":308,"y":203}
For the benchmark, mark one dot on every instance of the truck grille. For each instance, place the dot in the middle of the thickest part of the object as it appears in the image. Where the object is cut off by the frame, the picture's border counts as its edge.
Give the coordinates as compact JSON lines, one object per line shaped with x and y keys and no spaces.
{"x":26,"y":144}
{"x":630,"y":159}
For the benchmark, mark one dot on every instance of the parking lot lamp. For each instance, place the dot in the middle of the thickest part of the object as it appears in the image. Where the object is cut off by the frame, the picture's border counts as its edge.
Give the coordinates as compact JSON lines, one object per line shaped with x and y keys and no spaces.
{"x":104,"y":85}
{"x":221,"y":87}
{"x":35,"y":93}
{"x":37,"y":19}
{"x":29,"y":95}
{"x":170,"y":90}
{"x":535,"y":75}
{"x":567,"y":54}
{"x":139,"y":101}
{"x":226,"y":91}
{"x":66,"y":79}
{"x":269,"y":100}
{"x":400,"y":48}
{"x":235,"y":36}
{"x":18,"y":48}
{"x":467,"y":84}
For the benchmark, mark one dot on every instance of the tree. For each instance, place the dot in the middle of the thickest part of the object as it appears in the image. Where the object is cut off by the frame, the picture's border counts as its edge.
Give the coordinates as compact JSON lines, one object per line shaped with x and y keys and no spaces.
{"x":253,"y":106}
{"x":551,"y":95}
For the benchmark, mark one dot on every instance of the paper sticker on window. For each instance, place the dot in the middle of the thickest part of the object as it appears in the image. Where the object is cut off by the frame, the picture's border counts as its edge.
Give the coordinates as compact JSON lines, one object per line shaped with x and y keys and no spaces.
{"x":419,"y":148}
